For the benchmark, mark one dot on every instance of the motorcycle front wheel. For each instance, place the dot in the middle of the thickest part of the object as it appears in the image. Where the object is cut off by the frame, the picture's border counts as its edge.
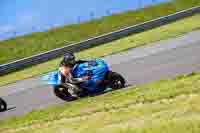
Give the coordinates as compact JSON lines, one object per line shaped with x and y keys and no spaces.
{"x":3,"y":105}
{"x":62,"y":92}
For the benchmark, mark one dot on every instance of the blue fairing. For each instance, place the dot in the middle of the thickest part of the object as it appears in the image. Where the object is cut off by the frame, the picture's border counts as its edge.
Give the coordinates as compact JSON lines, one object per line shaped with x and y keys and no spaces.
{"x":52,"y":78}
{"x":96,"y":69}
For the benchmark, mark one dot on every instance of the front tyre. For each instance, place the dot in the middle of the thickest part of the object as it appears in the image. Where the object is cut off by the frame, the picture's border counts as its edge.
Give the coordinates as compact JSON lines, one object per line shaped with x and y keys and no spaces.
{"x":116,"y":81}
{"x":61,"y":92}
{"x":3,"y":105}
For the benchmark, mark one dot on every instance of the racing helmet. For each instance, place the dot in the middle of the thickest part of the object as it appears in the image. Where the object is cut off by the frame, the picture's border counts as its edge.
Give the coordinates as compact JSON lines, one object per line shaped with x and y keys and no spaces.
{"x":69,"y":59}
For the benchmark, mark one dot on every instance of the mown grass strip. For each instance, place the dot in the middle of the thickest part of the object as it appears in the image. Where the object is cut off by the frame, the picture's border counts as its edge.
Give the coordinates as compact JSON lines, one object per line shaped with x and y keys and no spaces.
{"x":152,"y":94}
{"x":168,"y":31}
{"x":35,"y":43}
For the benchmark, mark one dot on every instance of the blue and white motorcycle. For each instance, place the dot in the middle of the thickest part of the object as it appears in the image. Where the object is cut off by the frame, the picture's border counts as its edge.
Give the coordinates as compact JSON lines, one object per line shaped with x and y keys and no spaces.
{"x":101,"y":78}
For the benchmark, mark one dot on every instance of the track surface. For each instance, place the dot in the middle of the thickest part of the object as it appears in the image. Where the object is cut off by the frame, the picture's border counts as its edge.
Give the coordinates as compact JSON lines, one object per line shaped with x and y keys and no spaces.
{"x":164,"y":59}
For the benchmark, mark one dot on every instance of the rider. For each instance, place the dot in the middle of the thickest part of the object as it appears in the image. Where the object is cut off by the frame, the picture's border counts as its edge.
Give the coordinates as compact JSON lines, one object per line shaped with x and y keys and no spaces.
{"x":65,"y":68}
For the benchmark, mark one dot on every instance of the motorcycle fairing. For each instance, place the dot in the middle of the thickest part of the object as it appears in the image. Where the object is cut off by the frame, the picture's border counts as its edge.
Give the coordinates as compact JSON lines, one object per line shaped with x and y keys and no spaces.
{"x":53,"y":78}
{"x":96,"y":69}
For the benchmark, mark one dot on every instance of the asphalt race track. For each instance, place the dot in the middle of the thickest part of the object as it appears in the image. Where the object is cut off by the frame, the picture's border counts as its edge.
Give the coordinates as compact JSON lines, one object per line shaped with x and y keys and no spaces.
{"x":164,"y":59}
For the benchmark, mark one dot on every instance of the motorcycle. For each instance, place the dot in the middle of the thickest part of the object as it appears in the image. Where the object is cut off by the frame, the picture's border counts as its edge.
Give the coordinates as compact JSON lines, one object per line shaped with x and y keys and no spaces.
{"x":3,"y":105}
{"x":101,"y":78}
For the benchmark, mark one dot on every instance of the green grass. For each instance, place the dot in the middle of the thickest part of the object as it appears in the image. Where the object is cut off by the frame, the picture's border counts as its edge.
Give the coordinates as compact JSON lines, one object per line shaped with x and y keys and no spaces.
{"x":167,"y":105}
{"x":168,"y":31}
{"x":28,"y":45}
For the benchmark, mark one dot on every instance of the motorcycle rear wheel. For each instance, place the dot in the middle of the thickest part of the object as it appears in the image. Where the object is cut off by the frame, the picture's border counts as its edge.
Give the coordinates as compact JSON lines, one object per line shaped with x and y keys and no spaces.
{"x":3,"y":105}
{"x":115,"y":80}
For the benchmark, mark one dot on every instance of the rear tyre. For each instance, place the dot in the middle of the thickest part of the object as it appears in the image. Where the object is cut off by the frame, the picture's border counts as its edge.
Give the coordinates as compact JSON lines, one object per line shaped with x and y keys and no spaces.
{"x":3,"y":105}
{"x":116,"y":81}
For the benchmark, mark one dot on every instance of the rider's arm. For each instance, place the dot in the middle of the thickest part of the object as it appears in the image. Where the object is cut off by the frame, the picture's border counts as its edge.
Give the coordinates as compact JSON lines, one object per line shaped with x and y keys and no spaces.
{"x":69,"y":79}
{"x":78,"y":80}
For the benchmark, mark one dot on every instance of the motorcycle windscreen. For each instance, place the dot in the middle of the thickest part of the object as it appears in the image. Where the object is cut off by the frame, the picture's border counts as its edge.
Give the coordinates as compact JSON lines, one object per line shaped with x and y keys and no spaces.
{"x":52,"y":78}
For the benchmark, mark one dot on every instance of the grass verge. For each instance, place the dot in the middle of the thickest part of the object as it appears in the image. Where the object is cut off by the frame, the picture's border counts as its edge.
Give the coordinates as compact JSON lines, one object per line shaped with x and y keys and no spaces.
{"x":168,"y":31}
{"x":170,"y":105}
{"x":35,"y":43}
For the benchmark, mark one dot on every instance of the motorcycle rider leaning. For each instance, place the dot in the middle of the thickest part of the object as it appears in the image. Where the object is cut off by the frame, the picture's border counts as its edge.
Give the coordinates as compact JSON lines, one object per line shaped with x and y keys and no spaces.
{"x":65,"y":68}
{"x":66,"y":65}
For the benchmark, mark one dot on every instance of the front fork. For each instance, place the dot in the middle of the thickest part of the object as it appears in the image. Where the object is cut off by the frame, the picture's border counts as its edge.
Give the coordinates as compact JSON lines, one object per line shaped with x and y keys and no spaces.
{"x":73,"y":90}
